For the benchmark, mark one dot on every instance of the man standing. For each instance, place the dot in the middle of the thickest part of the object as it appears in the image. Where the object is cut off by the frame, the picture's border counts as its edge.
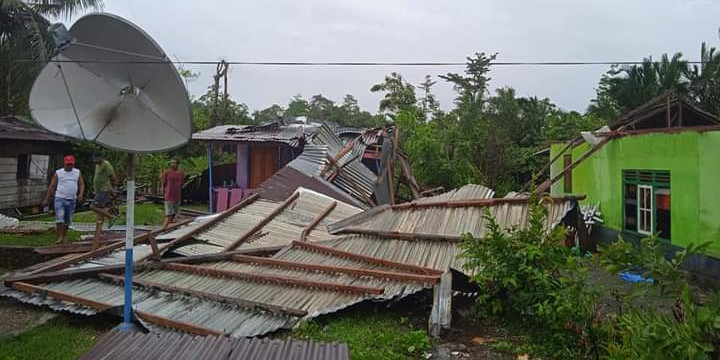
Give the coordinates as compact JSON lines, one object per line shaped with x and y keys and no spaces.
{"x":67,"y":186}
{"x":102,"y":184}
{"x":172,"y":180}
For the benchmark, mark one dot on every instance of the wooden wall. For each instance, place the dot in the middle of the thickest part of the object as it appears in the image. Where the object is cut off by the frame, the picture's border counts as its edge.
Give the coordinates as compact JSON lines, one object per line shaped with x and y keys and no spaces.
{"x":26,"y":192}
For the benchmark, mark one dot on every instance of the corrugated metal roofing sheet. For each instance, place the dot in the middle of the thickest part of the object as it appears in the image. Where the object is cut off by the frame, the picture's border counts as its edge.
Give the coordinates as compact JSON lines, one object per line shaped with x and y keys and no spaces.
{"x":287,"y":226}
{"x":467,"y":192}
{"x":117,"y":345}
{"x":292,"y":135}
{"x":17,"y":129}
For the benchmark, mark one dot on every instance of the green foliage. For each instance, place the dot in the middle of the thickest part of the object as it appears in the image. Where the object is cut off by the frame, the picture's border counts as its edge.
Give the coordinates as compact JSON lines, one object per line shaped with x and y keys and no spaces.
{"x":369,"y":337}
{"x":59,"y":339}
{"x":41,"y":239}
{"x":24,"y":35}
{"x":691,"y":332}
{"x":399,"y":94}
{"x":528,"y":275}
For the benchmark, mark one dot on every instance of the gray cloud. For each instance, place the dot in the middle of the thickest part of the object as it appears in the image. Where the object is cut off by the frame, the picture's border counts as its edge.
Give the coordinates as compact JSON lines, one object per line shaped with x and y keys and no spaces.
{"x":419,"y":30}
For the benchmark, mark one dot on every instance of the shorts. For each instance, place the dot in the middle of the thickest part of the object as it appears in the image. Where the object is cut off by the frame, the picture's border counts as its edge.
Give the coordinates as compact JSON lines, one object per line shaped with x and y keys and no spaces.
{"x":102,"y":199}
{"x":64,"y":210}
{"x":171,"y":208}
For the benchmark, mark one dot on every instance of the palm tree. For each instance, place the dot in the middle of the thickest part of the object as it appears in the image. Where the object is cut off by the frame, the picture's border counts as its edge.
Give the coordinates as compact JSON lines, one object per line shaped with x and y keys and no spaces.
{"x":24,"y":36}
{"x":705,"y":79}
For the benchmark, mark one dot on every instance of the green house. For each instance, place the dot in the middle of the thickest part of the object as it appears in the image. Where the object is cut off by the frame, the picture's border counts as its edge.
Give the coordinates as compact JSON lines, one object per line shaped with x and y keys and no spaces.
{"x":654,"y":171}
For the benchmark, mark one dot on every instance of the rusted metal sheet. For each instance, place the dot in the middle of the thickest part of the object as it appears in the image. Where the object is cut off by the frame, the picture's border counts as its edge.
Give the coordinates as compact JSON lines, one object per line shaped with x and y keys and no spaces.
{"x":116,"y":345}
{"x":292,"y":135}
{"x":12,"y":128}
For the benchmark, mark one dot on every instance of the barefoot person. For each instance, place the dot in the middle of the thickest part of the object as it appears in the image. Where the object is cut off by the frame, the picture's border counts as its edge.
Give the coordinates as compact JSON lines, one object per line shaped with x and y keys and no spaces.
{"x":172,"y":182}
{"x":67,"y":187}
{"x":102,"y":184}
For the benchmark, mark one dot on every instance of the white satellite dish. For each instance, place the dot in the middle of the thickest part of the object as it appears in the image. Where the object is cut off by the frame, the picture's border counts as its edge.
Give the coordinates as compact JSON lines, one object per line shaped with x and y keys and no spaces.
{"x":112,"y":84}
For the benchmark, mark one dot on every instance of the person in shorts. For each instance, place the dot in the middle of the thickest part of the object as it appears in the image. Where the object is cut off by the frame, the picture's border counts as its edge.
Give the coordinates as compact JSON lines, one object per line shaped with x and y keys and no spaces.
{"x":67,"y":187}
{"x":172,"y":180}
{"x":102,"y":184}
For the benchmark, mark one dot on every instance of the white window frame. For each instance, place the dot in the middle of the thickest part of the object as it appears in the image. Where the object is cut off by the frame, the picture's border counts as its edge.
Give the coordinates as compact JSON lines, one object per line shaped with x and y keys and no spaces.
{"x":650,"y":209}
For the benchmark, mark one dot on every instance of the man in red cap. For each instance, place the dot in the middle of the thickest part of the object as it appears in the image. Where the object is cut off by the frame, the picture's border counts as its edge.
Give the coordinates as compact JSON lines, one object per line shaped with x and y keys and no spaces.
{"x":68,"y":187}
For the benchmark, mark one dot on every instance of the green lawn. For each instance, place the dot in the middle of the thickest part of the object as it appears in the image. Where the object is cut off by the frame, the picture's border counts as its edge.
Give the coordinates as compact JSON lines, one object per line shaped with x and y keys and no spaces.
{"x":369,"y":336}
{"x":145,"y":214}
{"x":62,"y":338}
{"x":41,"y":239}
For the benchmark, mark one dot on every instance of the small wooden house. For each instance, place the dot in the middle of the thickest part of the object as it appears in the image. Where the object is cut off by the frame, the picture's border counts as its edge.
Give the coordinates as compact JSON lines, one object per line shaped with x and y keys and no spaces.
{"x":28,"y":155}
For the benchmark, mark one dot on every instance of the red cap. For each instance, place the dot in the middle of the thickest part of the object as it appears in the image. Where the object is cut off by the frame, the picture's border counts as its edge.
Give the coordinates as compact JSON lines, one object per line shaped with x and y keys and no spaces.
{"x":69,"y":160}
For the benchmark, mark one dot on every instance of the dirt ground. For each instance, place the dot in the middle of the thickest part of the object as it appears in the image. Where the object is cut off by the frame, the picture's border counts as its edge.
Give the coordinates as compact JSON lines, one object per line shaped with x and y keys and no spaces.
{"x":18,"y":317}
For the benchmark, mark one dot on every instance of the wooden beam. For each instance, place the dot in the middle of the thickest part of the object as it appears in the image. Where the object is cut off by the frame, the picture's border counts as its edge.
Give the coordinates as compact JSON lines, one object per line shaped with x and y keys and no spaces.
{"x":441,"y":313}
{"x":118,"y":268}
{"x":64,"y":275}
{"x":306,"y":231}
{"x":399,"y":235}
{"x":365,"y":258}
{"x":284,"y":280}
{"x":262,"y":222}
{"x":176,"y":324}
{"x":480,"y":202}
{"x":673,"y":130}
{"x":101,"y":306}
{"x":105,"y":249}
{"x":570,"y":145}
{"x":253,"y":305}
{"x":210,"y":223}
{"x":337,"y":269}
{"x":547,"y":184}
{"x":33,"y":289}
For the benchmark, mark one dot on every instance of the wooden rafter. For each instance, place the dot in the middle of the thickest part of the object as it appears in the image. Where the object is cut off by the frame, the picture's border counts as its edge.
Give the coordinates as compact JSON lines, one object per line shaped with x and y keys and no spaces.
{"x":262,"y":222}
{"x":206,"y":295}
{"x":365,"y":258}
{"x":284,"y":280}
{"x":309,"y":228}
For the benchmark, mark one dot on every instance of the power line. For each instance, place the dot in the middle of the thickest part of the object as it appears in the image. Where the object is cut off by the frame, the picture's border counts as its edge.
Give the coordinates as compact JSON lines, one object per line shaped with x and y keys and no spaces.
{"x":351,"y":63}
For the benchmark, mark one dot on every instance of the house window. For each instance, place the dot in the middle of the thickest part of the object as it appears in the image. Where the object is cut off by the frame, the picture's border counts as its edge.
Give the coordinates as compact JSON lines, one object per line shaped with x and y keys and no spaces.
{"x":567,"y":180}
{"x":646,"y":203}
{"x":23,"y":166}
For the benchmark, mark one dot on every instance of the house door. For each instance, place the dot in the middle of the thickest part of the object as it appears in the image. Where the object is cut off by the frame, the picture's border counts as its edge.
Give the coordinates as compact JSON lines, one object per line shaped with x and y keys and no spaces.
{"x":263,"y":164}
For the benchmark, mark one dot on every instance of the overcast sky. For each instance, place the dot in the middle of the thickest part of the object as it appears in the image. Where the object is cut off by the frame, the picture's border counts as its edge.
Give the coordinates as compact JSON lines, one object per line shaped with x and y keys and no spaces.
{"x":417,"y":31}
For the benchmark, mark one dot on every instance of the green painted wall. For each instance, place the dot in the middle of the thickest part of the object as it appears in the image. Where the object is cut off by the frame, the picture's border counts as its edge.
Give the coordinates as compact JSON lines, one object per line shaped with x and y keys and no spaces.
{"x":691,"y":158}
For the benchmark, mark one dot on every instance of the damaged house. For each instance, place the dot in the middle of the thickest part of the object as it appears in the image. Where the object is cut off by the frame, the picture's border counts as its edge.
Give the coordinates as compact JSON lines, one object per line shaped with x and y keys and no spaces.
{"x":653,"y":171}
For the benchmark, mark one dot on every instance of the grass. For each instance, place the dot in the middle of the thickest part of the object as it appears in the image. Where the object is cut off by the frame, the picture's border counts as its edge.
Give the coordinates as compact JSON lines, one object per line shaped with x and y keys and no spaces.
{"x":145,"y":214}
{"x":62,"y":338}
{"x":374,"y":336}
{"x":41,"y":239}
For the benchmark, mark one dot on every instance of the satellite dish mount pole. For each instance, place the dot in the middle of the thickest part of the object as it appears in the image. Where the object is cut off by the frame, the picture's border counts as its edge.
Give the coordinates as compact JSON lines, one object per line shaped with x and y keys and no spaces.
{"x":127,"y":324}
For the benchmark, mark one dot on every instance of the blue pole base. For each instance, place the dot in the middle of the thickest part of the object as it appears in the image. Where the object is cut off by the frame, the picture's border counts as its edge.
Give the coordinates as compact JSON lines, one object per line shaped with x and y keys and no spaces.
{"x":128,"y":327}
{"x":127,"y":324}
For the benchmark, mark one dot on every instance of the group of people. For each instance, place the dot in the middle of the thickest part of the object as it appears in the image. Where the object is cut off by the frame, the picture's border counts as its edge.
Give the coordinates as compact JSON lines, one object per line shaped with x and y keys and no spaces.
{"x":67,"y":190}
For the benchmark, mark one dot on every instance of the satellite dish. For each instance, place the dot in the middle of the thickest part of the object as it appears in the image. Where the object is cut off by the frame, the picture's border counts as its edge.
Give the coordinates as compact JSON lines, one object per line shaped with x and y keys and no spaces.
{"x":112,"y":84}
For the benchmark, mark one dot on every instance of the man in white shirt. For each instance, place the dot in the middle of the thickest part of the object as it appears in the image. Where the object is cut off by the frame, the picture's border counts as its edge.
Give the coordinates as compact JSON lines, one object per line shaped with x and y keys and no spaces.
{"x":68,"y":187}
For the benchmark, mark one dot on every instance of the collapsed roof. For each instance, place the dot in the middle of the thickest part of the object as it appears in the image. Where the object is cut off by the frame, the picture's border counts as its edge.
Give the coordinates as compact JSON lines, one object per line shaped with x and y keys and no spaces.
{"x":222,"y":286}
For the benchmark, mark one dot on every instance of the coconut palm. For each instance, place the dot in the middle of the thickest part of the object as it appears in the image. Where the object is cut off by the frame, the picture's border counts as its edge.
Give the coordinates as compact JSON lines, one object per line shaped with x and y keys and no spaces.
{"x":25,"y":44}
{"x":705,"y":79}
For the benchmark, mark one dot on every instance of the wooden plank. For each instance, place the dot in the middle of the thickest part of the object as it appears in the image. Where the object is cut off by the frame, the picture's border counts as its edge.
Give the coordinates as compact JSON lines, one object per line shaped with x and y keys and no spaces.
{"x":441,"y":313}
{"x":210,"y":223}
{"x":33,"y":289}
{"x":284,"y":280}
{"x":83,"y":273}
{"x":175,"y":324}
{"x":401,"y":236}
{"x":306,"y":231}
{"x":365,"y":258}
{"x":262,"y":222}
{"x":337,"y":269}
{"x":547,"y":184}
{"x":106,"y":249}
{"x":480,"y":202}
{"x":206,"y":295}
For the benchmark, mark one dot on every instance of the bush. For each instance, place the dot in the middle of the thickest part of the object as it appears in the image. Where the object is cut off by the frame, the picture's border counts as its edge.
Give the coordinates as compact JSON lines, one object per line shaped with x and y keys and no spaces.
{"x":528,"y":275}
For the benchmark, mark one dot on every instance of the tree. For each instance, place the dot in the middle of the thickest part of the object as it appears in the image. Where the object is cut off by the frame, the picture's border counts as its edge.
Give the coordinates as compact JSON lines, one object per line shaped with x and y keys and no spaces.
{"x":472,"y":87}
{"x":705,"y":79}
{"x":24,"y":36}
{"x":428,"y":103}
{"x":272,"y":113}
{"x":228,"y":112}
{"x":297,"y":106}
{"x":399,"y":94}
